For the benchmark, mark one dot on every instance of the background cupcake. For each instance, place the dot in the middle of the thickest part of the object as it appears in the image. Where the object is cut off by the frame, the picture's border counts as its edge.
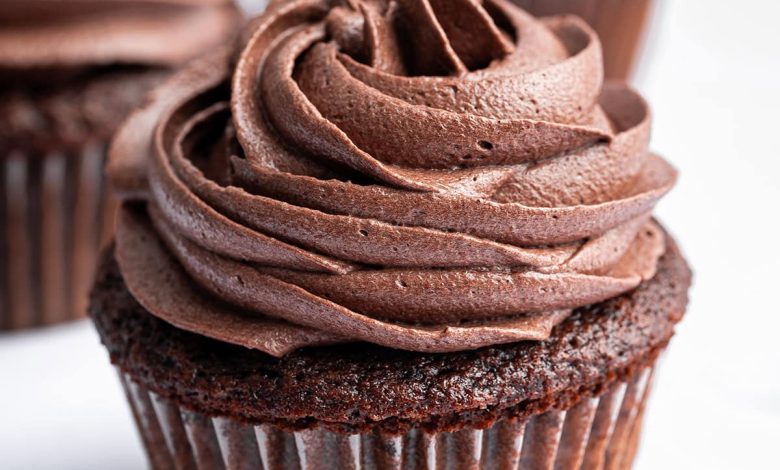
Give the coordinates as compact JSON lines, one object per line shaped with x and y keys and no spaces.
{"x":620,"y":24}
{"x":381,"y":235}
{"x":70,"y":71}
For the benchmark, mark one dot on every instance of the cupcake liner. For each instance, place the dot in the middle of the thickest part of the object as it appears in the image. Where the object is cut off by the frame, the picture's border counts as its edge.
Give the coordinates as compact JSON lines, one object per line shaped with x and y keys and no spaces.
{"x":54,"y":215}
{"x":619,"y":23}
{"x":599,"y":432}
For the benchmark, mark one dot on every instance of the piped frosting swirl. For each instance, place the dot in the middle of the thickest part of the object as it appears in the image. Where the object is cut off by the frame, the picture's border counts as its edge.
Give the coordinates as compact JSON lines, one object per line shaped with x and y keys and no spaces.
{"x":426,"y":175}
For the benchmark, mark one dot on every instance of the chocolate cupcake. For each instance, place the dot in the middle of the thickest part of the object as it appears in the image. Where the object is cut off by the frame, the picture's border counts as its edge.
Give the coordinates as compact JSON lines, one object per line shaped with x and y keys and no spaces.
{"x":410,"y":234}
{"x":70,"y":72}
{"x":620,"y":25}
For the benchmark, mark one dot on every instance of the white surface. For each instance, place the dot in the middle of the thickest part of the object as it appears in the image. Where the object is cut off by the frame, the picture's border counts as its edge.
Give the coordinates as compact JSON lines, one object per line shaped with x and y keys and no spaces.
{"x":61,"y":405}
{"x":252,"y":7}
{"x":712,"y":78}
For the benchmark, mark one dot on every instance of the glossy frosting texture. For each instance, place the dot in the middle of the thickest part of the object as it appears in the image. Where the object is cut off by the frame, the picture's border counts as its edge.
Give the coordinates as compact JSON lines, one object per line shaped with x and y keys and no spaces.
{"x":426,"y":175}
{"x":65,"y":34}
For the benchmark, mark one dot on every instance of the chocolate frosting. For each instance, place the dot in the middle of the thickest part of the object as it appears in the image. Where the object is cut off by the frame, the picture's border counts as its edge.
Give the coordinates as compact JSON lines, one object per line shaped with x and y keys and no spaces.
{"x":426,"y":175}
{"x":56,"y":34}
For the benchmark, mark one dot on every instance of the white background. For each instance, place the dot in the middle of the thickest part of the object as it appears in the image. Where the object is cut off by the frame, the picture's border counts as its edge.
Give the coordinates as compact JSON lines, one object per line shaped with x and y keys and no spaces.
{"x":711,"y":74}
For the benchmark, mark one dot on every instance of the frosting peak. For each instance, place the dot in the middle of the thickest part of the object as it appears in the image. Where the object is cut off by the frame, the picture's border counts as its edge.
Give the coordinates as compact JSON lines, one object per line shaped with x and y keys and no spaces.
{"x":427,"y":175}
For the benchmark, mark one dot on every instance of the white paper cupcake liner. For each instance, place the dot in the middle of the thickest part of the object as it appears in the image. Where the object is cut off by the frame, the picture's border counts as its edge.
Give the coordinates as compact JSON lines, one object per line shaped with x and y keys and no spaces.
{"x":597,"y":433}
{"x":54,"y":216}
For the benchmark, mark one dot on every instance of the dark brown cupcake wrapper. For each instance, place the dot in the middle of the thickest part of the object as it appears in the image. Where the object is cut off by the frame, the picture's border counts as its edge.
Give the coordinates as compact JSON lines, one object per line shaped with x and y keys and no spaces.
{"x":597,"y":433}
{"x":54,"y":216}
{"x":620,"y":24}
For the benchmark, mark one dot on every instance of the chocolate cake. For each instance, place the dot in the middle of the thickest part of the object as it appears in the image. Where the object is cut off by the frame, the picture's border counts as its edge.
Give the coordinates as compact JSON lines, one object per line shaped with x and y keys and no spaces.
{"x":70,"y":73}
{"x":391,"y":234}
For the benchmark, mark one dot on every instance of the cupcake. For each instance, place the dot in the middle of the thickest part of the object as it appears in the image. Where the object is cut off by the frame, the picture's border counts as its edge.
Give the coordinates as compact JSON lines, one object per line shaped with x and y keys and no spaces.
{"x":410,"y":234}
{"x":620,"y":25}
{"x":70,"y":72}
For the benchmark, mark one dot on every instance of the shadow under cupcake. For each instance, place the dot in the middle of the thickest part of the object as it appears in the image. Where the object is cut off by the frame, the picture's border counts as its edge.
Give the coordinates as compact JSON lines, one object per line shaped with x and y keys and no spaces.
{"x":404,"y":235}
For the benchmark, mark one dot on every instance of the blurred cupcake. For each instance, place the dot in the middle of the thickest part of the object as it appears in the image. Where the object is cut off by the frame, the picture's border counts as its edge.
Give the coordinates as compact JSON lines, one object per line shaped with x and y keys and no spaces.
{"x":620,"y":24}
{"x":410,"y":234}
{"x":70,"y":71}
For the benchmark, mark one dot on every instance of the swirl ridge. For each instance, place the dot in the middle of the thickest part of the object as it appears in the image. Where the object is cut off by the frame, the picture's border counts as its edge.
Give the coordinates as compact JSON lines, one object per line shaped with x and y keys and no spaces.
{"x":420,"y":174}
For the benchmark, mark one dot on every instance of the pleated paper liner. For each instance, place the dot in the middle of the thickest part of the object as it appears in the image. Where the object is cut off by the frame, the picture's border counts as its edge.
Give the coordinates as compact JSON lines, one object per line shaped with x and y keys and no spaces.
{"x":597,"y":433}
{"x":54,"y":217}
{"x":620,"y":24}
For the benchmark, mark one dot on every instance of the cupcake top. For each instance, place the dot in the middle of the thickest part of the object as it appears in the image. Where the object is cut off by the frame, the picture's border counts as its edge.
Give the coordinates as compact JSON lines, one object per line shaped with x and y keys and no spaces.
{"x":71,"y":70}
{"x":67,"y":34}
{"x":426,"y":175}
